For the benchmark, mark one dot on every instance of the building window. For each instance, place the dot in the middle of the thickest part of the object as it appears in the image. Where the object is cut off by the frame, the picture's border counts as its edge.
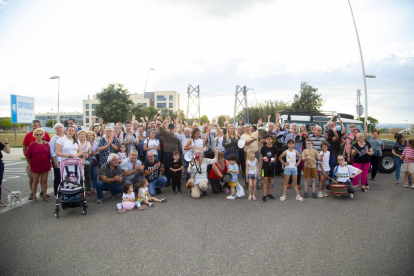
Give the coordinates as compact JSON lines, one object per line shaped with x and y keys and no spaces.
{"x":93,"y":113}
{"x":161,"y":105}
{"x":87,"y":125}
{"x":87,"y":113}
{"x":145,"y":105}
{"x":93,"y":106}
{"x":171,"y":98}
{"x":87,"y":120}
{"x":161,"y":98}
{"x":170,"y":105}
{"x":86,"y":106}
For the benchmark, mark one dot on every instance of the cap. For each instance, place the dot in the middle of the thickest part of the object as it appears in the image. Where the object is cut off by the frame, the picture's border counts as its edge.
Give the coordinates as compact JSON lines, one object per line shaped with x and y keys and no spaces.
{"x":171,"y":126}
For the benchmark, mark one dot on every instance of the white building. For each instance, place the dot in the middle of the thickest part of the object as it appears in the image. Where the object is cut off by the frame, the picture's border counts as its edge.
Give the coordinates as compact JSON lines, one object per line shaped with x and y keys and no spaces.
{"x":63,"y":117}
{"x":157,"y":99}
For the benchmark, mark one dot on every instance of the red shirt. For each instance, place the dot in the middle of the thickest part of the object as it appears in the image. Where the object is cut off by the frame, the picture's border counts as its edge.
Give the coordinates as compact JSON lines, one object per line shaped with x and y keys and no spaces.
{"x":39,"y":155}
{"x":213,"y":175}
{"x":29,"y":138}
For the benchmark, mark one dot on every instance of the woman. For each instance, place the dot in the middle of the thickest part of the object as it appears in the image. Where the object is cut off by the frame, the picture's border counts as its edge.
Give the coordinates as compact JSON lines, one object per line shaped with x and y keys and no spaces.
{"x":140,"y":137}
{"x":6,"y":148}
{"x":196,"y":142}
{"x":128,"y":138}
{"x":86,"y":150}
{"x":242,"y":161}
{"x":397,"y":150}
{"x":91,"y":136}
{"x":219,"y":168}
{"x":377,"y":147}
{"x":362,"y":152}
{"x":219,"y":140}
{"x":230,"y":143}
{"x":38,"y":156}
{"x":302,"y":131}
{"x":107,"y":145}
{"x":349,"y":138}
{"x":68,"y":146}
{"x":60,"y":132}
{"x":198,"y":169}
{"x":152,"y":145}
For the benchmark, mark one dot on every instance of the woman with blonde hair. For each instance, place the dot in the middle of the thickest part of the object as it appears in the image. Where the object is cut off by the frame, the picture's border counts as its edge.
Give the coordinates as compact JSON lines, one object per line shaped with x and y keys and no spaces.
{"x":230,"y":143}
{"x":362,"y":152}
{"x":91,"y":137}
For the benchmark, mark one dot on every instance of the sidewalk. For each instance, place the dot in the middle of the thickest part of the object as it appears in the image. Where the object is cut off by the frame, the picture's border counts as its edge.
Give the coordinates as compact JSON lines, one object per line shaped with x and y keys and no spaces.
{"x":16,"y":154}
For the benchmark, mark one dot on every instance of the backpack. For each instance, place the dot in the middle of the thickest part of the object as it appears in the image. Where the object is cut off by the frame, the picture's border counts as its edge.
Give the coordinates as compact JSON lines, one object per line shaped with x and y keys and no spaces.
{"x":141,"y":147}
{"x":133,"y":134}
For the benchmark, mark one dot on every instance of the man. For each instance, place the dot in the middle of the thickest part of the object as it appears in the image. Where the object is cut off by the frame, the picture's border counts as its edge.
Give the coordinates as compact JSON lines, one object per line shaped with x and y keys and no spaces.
{"x":335,"y":146}
{"x":242,"y":161}
{"x":298,"y":146}
{"x":132,"y":168}
{"x":317,"y":138}
{"x":183,"y":140}
{"x":226,"y":124}
{"x":312,"y":127}
{"x":251,"y":143}
{"x":152,"y":173}
{"x":111,"y":178}
{"x":286,"y":131}
{"x":171,"y":144}
{"x":135,"y":127}
{"x":26,"y":142}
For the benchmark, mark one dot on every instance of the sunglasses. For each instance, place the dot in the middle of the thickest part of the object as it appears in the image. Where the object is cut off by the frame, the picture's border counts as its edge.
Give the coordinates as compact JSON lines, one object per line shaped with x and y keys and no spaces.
{"x":39,"y":134}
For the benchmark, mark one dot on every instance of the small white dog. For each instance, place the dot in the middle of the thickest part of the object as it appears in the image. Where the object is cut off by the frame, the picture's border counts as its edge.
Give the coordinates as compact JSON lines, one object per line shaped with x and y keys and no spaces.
{"x":15,"y":195}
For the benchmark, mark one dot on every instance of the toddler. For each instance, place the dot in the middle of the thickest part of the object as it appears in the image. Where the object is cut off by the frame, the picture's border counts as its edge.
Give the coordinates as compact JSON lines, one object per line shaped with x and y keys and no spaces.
{"x":128,"y":196}
{"x":233,"y":169}
{"x":144,"y":196}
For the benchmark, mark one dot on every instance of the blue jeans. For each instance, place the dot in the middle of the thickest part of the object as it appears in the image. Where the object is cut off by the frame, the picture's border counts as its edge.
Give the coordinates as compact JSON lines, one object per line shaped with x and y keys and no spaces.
{"x":227,"y":153}
{"x":94,"y":174}
{"x":185,"y":164}
{"x":1,"y":175}
{"x":114,"y":188}
{"x":398,"y":163}
{"x":157,"y":183}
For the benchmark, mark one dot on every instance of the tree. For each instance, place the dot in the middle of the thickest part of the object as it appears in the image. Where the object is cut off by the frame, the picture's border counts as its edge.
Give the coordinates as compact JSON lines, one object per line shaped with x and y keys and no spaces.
{"x":307,"y":99}
{"x":50,"y":123}
{"x":221,"y":120}
{"x":373,"y":122}
{"x":262,"y":110}
{"x":204,"y":119}
{"x":114,"y":104}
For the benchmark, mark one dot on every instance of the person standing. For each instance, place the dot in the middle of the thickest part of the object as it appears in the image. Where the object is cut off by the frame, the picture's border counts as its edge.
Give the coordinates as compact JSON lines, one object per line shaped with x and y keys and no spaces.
{"x":377,"y":146}
{"x":128,"y":138}
{"x":5,"y":146}
{"x":362,"y":152}
{"x":268,"y":156}
{"x":299,"y":143}
{"x":170,"y":144}
{"x":91,"y":135}
{"x":26,"y":142}
{"x":251,"y":142}
{"x":397,"y":149}
{"x":107,"y":145}
{"x":230,"y":143}
{"x":317,"y":139}
{"x":60,"y":132}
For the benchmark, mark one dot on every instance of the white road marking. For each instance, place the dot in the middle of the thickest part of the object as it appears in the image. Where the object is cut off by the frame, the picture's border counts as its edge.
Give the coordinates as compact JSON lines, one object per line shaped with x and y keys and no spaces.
{"x":24,"y":201}
{"x":10,"y":164}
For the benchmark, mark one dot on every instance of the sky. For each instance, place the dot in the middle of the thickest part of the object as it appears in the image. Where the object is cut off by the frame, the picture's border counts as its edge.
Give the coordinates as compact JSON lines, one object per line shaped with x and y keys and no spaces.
{"x":270,"y":46}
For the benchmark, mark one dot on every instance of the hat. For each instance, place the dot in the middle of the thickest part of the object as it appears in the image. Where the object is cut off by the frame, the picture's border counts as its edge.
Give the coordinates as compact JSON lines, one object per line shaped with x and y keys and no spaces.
{"x":171,"y":126}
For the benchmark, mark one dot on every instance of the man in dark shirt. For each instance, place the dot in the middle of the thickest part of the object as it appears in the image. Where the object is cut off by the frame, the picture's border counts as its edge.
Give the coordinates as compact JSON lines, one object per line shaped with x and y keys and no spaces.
{"x":111,"y":178}
{"x":152,"y":173}
{"x":335,"y":145}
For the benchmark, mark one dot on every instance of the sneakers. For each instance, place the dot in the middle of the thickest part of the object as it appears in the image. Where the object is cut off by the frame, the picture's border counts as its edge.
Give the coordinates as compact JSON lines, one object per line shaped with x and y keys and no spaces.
{"x":298,"y":197}
{"x":351,"y":195}
{"x":412,"y":186}
{"x":121,"y":211}
{"x":226,"y":191}
{"x":264,"y":199}
{"x":163,"y":200}
{"x":306,"y":194}
{"x":270,"y":197}
{"x":151,"y":205}
{"x":283,"y":198}
{"x":179,"y":192}
{"x":405,"y":185}
{"x":398,"y":182}
{"x":99,"y":201}
{"x":324,"y":194}
{"x":231,"y":197}
{"x":30,"y":196}
{"x":314,"y":195}
{"x":173,"y":192}
{"x":320,"y":194}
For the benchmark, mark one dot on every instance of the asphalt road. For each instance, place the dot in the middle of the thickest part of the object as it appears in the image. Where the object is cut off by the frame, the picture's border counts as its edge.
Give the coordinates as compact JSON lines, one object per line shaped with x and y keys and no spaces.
{"x":369,"y":235}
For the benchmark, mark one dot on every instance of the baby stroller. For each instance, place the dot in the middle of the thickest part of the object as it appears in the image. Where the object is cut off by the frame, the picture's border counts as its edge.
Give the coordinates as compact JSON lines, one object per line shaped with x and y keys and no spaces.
{"x":71,"y":191}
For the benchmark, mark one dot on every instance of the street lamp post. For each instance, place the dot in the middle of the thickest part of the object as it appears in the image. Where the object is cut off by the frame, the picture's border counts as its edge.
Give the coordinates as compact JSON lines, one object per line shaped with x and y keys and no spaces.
{"x":52,"y":78}
{"x":407,"y":127}
{"x":145,"y":87}
{"x":363,"y":67}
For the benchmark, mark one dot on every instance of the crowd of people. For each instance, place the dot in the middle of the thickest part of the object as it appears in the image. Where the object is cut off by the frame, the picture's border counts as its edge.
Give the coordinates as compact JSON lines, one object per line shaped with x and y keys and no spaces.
{"x":143,"y":157}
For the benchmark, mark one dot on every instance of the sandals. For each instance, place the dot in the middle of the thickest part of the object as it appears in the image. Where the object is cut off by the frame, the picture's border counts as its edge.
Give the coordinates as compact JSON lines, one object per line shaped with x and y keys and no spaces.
{"x":249,"y":198}
{"x":48,"y":199}
{"x":283,"y":198}
{"x":374,"y":179}
{"x":34,"y":200}
{"x":364,"y":190}
{"x":254,"y":198}
{"x":142,"y":208}
{"x":298,"y":197}
{"x":406,"y":185}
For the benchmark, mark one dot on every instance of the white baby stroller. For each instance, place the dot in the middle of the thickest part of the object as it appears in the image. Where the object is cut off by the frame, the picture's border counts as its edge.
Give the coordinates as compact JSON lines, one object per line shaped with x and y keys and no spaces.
{"x":71,"y":190}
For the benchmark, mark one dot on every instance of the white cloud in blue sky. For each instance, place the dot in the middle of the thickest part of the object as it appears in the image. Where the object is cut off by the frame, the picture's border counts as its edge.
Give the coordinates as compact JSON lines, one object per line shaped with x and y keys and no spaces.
{"x":270,"y":46}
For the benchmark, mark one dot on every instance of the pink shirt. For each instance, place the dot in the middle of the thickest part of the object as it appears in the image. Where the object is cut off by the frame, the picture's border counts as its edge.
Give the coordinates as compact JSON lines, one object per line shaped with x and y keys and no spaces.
{"x":348,"y":142}
{"x":408,"y":152}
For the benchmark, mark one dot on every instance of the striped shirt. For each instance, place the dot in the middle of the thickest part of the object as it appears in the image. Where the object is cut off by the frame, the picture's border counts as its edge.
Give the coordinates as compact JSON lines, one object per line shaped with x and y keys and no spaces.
{"x":317,"y":141}
{"x":408,"y":152}
{"x":203,"y":168}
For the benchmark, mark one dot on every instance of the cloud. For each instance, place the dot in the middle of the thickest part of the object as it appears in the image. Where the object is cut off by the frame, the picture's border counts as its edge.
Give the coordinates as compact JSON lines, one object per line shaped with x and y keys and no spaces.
{"x":2,"y":3}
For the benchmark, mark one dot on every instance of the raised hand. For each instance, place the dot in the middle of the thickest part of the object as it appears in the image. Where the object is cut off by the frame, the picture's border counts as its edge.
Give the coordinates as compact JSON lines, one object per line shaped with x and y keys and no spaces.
{"x":100,"y":121}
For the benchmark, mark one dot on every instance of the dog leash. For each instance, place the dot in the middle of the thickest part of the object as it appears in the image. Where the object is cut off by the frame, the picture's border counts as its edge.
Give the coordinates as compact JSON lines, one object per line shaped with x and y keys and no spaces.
{"x":6,"y":189}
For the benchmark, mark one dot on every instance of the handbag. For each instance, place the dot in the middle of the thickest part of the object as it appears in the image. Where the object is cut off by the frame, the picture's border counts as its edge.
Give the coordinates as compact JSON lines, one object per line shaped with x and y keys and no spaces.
{"x":94,"y":162}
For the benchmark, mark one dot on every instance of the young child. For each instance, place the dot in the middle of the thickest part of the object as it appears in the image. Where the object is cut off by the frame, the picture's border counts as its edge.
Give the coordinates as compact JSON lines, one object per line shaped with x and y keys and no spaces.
{"x":122,"y":154}
{"x":128,"y":196}
{"x":252,"y":170}
{"x":344,"y":172}
{"x":310,"y":156}
{"x":408,"y":155}
{"x":233,"y":169}
{"x":177,"y":167}
{"x":323,"y":168}
{"x":291,"y":168}
{"x":144,"y":196}
{"x":268,"y":155}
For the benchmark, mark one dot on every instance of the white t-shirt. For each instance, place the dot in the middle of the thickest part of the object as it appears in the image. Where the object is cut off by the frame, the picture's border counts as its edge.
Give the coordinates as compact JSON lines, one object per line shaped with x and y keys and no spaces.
{"x":127,"y":196}
{"x":291,"y":159}
{"x":68,"y":147}
{"x":85,"y":147}
{"x":152,"y":143}
{"x":343,"y":173}
{"x":196,"y":143}
{"x":220,"y":144}
{"x":325,"y":161}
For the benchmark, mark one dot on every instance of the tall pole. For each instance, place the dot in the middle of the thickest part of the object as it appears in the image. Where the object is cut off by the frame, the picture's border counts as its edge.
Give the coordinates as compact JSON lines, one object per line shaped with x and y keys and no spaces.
{"x":57,"y":115}
{"x":363,"y":67}
{"x":145,"y":87}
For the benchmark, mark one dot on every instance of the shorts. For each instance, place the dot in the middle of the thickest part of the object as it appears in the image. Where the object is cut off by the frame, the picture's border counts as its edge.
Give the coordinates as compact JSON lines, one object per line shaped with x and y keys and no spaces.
{"x":268,"y":173}
{"x":251,"y":176}
{"x":141,"y":198}
{"x":326,"y":172}
{"x":232,"y":184}
{"x":313,"y":172}
{"x":409,"y":167}
{"x":291,"y":171}
{"x":28,"y":170}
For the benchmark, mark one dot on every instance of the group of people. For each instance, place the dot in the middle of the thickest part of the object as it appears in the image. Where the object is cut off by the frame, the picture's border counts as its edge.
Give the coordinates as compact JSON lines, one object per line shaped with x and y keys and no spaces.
{"x":148,"y":155}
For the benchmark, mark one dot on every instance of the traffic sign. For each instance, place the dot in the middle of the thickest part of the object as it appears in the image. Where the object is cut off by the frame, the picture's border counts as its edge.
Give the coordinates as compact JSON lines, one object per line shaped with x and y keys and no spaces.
{"x":22,"y":109}
{"x":360,"y":110}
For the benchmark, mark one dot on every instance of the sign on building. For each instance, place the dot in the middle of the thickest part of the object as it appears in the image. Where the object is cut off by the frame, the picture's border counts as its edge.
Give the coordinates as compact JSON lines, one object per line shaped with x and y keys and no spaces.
{"x":22,"y":109}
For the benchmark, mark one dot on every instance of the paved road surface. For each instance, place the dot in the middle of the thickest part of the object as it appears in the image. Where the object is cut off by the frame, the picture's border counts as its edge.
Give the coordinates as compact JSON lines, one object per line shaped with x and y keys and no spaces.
{"x":369,"y":235}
